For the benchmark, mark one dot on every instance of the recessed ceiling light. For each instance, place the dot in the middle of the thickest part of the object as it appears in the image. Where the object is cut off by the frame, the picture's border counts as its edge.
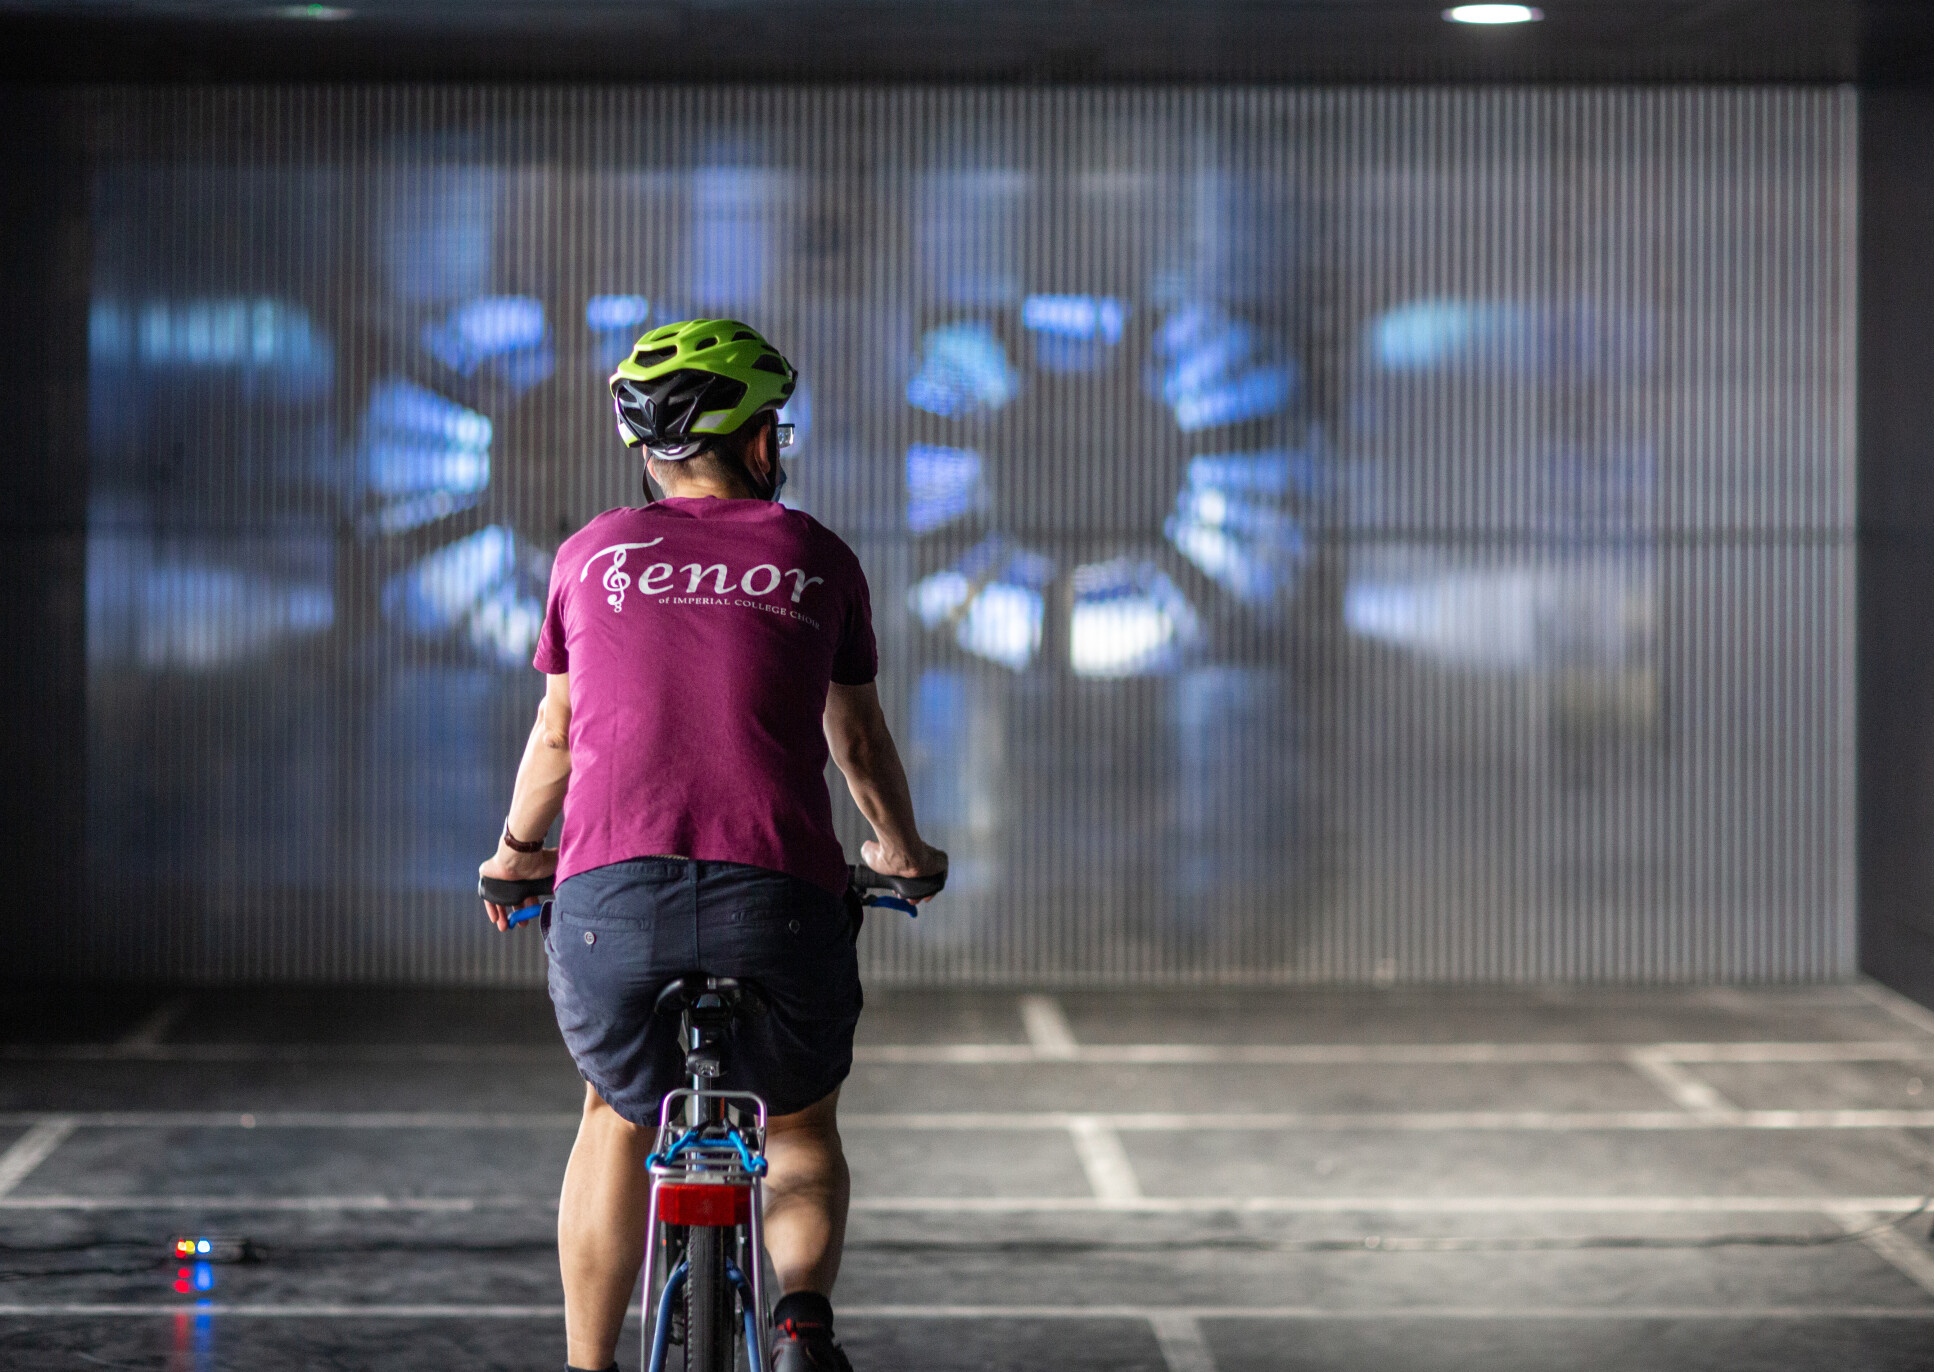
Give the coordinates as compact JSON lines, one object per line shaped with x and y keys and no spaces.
{"x":308,"y":12}
{"x":1493,"y":14}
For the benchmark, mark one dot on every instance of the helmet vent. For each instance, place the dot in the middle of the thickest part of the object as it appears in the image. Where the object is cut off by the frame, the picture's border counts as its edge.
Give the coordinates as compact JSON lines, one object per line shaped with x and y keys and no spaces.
{"x":770,"y":362}
{"x":706,"y":343}
{"x":655,"y":356}
{"x":744,"y":334}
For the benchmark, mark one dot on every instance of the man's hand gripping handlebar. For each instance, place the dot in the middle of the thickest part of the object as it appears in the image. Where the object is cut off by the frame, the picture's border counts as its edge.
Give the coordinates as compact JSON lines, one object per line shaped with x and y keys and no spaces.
{"x":896,"y":893}
{"x":519,"y":900}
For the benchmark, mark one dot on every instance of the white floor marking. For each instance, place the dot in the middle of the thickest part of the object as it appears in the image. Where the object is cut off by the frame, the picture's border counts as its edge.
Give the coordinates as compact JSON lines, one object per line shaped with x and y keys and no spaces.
{"x":1400,"y":1122}
{"x":1692,"y":1094}
{"x":301,"y":1119}
{"x":970,"y":1054}
{"x":1447,"y":1121}
{"x":1372,"y":1205}
{"x":1047,"y":1028}
{"x":1897,"y":1005}
{"x":287,"y":1052}
{"x":1378,"y":1314}
{"x":1897,"y":1247}
{"x":1024,"y":1205}
{"x":157,"y":1026}
{"x":434,"y":1204}
{"x":1104,"y":1159}
{"x":31,"y":1149}
{"x":1183,"y":1347}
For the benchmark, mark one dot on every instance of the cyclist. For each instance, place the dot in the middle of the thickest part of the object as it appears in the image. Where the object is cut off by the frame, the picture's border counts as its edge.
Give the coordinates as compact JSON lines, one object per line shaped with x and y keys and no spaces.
{"x":703,"y":653}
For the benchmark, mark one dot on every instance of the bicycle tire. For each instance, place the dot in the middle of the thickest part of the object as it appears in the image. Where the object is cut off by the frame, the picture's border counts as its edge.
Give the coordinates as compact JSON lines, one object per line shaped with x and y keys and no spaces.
{"x":709,"y":1301}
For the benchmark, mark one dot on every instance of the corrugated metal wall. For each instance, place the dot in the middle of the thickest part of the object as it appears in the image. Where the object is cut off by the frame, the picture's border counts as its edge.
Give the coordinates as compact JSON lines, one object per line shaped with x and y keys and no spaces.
{"x":1315,"y":535}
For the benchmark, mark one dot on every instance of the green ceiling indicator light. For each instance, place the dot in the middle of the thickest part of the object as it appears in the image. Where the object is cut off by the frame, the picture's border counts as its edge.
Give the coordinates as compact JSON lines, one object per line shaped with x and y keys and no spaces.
{"x":313,"y":12}
{"x":1493,"y":14}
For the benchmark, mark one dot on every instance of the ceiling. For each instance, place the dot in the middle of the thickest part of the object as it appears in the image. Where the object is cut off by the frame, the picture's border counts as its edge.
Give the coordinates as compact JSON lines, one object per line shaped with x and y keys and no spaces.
{"x":965,"y":40}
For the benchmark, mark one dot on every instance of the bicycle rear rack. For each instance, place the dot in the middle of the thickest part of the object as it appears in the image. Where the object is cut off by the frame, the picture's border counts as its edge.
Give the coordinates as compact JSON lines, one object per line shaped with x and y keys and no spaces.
{"x":709,"y":1174}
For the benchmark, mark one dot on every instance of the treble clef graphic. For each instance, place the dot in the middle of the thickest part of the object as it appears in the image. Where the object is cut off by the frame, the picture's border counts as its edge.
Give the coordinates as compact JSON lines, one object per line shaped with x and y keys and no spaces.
{"x":615,"y":580}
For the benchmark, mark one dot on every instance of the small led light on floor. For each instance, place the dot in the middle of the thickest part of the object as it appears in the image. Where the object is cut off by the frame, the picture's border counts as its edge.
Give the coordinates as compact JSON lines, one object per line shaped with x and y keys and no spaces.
{"x":208,"y":1248}
{"x":1493,"y":14}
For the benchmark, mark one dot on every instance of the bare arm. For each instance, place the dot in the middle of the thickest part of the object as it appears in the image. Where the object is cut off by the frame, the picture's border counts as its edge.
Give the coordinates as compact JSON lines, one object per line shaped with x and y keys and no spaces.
{"x":863,"y":750}
{"x":542,"y":778}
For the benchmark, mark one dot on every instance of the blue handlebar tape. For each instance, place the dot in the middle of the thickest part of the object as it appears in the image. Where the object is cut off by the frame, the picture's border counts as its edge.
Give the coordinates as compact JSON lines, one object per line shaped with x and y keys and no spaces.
{"x":894,"y":903}
{"x":527,"y":913}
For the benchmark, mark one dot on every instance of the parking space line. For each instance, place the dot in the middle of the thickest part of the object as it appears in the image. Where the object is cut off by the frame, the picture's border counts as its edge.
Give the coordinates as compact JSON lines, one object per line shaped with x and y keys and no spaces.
{"x":1895,"y":1004}
{"x":1048,"y":1031}
{"x":413,"y":1204}
{"x":1446,"y":1121}
{"x":1370,"y":1122}
{"x":1678,"y":1082}
{"x":1516,"y":1314}
{"x":1880,"y":1206}
{"x":1050,"y":1049}
{"x":1908,"y":1257}
{"x":1512,"y":1313}
{"x":1371,"y":1205}
{"x":1104,"y":1159}
{"x":31,"y":1149}
{"x":1180,"y":1338}
{"x":157,"y":1026}
{"x":301,"y":1119}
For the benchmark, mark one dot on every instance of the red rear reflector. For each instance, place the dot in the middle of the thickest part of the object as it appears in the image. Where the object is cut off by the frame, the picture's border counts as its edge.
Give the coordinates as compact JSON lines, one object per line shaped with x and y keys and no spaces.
{"x":689,"y":1203}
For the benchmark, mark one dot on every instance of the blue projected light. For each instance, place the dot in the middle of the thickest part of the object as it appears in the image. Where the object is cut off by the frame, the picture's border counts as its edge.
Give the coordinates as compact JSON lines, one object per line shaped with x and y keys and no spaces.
{"x":993,"y":599}
{"x":1230,"y":522}
{"x":253,"y":336}
{"x":606,"y":313}
{"x":505,"y":333}
{"x":483,"y":587}
{"x":1099,"y":318}
{"x":1073,"y":333}
{"x":200,"y":605}
{"x":617,"y":320}
{"x":1446,"y":335}
{"x":422,"y":455}
{"x":1211,"y":369}
{"x":1129,"y":619}
{"x":1424,"y":333}
{"x":943,"y":484}
{"x":963,"y":369}
{"x":1476,"y":617}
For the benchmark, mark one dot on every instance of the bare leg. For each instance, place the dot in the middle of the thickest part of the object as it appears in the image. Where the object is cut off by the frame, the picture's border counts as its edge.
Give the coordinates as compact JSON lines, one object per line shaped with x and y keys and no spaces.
{"x":601,"y":1229}
{"x":807,"y":1189}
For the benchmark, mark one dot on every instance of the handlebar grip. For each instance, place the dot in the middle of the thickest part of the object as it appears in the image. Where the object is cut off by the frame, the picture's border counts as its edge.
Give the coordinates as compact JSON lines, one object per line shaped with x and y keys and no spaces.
{"x":914,"y":888}
{"x":513,"y":893}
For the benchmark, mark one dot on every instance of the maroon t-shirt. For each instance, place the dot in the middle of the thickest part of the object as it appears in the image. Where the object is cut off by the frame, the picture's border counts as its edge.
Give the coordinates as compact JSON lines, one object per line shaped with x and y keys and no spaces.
{"x":700,"y":636}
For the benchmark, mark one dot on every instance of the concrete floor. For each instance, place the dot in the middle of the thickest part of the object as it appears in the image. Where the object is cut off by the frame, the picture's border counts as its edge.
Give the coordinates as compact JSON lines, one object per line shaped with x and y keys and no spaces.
{"x":1144,"y":1182}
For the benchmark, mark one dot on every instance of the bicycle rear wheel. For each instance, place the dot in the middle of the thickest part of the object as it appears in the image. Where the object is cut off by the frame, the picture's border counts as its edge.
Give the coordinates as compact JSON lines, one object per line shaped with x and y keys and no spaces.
{"x":710,"y":1306}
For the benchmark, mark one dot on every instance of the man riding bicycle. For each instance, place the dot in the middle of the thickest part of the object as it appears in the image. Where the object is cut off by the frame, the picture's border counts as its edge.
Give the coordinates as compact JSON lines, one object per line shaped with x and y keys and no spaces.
{"x":703,"y":654}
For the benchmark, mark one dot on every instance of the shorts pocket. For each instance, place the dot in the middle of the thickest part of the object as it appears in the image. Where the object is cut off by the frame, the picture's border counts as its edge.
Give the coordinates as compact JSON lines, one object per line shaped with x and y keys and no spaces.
{"x":622,"y":896}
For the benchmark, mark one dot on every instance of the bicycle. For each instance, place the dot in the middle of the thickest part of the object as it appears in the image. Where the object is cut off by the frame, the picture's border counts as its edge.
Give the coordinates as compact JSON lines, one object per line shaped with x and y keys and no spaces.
{"x":705,"y":1225}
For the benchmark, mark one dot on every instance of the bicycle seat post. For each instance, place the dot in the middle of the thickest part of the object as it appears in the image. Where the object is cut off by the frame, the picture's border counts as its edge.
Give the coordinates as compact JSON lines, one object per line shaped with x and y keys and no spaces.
{"x":705,"y":1022}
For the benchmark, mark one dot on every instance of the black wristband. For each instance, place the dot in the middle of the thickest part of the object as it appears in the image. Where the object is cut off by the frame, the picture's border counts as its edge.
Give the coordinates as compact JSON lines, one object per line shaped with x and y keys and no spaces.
{"x":518,"y":845}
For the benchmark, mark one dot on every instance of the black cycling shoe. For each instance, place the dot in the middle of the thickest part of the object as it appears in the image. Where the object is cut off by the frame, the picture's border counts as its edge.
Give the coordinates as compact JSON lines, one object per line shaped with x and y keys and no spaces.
{"x":800,"y":1346}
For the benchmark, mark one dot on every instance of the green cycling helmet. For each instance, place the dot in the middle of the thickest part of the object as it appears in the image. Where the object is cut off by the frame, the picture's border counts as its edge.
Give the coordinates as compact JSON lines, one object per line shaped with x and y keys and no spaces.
{"x":690,"y":381}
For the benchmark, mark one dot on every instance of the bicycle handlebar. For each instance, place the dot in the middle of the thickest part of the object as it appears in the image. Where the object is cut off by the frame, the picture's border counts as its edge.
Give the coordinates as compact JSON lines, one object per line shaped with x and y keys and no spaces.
{"x":913,"y":888}
{"x":513,"y":894}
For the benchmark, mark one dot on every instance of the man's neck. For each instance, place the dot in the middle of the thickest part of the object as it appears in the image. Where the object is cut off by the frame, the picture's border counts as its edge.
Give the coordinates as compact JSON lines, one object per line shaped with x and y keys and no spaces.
{"x":707,"y":490}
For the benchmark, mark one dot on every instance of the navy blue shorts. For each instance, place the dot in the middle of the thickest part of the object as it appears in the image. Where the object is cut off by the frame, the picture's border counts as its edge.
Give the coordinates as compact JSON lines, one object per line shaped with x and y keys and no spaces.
{"x":618,"y":933}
